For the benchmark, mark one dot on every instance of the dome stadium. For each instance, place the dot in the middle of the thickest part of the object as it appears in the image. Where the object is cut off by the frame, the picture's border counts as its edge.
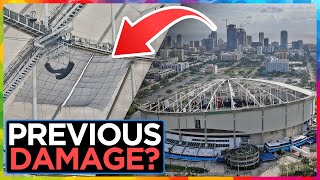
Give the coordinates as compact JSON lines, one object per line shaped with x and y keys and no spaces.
{"x":205,"y":120}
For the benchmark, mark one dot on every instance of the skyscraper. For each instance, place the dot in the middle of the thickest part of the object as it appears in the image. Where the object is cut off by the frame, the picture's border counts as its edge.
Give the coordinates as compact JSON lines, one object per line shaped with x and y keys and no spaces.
{"x":266,"y":42}
{"x":169,"y":41}
{"x":207,"y":44}
{"x":261,"y":37}
{"x":275,"y":44}
{"x":249,"y":40}
{"x":196,"y":43}
{"x":242,"y":36}
{"x":284,"y":39}
{"x":259,"y":50}
{"x":179,"y":41}
{"x":211,"y":42}
{"x":214,"y":37}
{"x":221,"y":44}
{"x":231,"y":37}
{"x":191,"y":44}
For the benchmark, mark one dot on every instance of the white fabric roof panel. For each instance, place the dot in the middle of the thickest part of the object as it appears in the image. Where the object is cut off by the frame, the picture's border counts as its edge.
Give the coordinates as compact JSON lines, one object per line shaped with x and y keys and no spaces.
{"x":94,"y":89}
{"x":98,"y":83}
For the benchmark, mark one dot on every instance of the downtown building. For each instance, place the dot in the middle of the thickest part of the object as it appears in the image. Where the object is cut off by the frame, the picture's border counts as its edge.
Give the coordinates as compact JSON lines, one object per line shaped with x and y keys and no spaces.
{"x":179,"y":43}
{"x":211,"y":42}
{"x":232,"y":40}
{"x":178,"y":67}
{"x":171,"y":53}
{"x":242,"y":37}
{"x":249,"y":40}
{"x":230,"y":56}
{"x":297,"y":44}
{"x":261,"y":38}
{"x":278,"y":65}
{"x":284,"y":40}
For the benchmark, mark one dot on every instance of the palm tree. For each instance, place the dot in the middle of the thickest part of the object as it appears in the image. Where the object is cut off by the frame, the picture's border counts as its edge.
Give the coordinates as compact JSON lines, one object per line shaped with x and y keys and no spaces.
{"x":312,"y":149}
{"x":305,"y":161}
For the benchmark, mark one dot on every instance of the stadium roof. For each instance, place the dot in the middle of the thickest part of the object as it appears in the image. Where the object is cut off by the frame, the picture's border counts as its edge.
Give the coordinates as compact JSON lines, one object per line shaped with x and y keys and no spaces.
{"x":228,"y":94}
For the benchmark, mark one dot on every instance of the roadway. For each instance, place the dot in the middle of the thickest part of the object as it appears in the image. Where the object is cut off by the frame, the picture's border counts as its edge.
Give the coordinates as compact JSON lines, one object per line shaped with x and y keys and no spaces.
{"x":253,"y":72}
{"x":310,"y":71}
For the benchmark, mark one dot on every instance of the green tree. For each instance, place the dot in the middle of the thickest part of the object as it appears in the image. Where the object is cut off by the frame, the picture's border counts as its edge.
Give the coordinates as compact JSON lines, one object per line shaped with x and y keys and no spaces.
{"x":155,"y":87}
{"x":168,"y":91}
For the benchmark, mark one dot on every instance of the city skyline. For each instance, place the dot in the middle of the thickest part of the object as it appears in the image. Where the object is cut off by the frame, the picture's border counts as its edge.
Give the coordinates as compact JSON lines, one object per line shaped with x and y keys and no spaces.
{"x":270,"y":20}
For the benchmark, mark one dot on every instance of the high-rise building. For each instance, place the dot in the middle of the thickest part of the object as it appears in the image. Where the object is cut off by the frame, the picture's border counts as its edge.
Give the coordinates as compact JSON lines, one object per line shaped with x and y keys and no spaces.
{"x":261,"y":37}
{"x":179,"y":41}
{"x":171,"y":53}
{"x":242,"y":36}
{"x":284,"y":39}
{"x":211,"y":42}
{"x":256,"y":44}
{"x":275,"y":45}
{"x":169,"y":41}
{"x":214,"y":37}
{"x":259,"y":50}
{"x":221,"y":44}
{"x":249,"y":40}
{"x":297,"y":44}
{"x":191,"y":44}
{"x":173,"y":43}
{"x":207,"y":44}
{"x":196,"y":43}
{"x":266,"y":42}
{"x":231,"y":37}
{"x":240,"y":48}
{"x":269,"y":50}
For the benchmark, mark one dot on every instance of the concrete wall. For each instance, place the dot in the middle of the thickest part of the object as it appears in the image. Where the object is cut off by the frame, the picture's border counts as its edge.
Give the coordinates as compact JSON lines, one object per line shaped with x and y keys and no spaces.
{"x":274,"y":118}
{"x":249,"y":121}
{"x":121,"y":102}
{"x":276,"y":135}
{"x":220,"y":121}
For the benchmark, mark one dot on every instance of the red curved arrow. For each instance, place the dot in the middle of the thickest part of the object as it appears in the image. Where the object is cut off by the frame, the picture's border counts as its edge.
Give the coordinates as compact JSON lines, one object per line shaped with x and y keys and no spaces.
{"x":134,"y":38}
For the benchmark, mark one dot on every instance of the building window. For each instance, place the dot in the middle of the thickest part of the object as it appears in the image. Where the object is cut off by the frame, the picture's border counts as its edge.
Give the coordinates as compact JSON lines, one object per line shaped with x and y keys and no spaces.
{"x":222,"y":145}
{"x":197,"y":124}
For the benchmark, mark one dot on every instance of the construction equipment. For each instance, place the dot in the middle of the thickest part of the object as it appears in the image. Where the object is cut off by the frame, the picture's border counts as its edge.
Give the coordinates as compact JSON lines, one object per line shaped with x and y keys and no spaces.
{"x":226,"y":20}
{"x":241,"y":25}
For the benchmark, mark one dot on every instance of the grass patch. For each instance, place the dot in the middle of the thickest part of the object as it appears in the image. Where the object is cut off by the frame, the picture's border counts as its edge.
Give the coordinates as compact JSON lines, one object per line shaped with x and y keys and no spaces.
{"x":175,"y":168}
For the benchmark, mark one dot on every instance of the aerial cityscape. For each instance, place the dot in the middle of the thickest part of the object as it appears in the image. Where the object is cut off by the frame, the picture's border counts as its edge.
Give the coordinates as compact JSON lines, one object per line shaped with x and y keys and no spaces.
{"x":238,"y":103}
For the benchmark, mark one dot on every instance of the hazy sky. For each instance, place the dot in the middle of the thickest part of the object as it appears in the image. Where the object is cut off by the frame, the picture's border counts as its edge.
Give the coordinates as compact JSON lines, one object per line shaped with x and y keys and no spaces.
{"x":298,"y":19}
